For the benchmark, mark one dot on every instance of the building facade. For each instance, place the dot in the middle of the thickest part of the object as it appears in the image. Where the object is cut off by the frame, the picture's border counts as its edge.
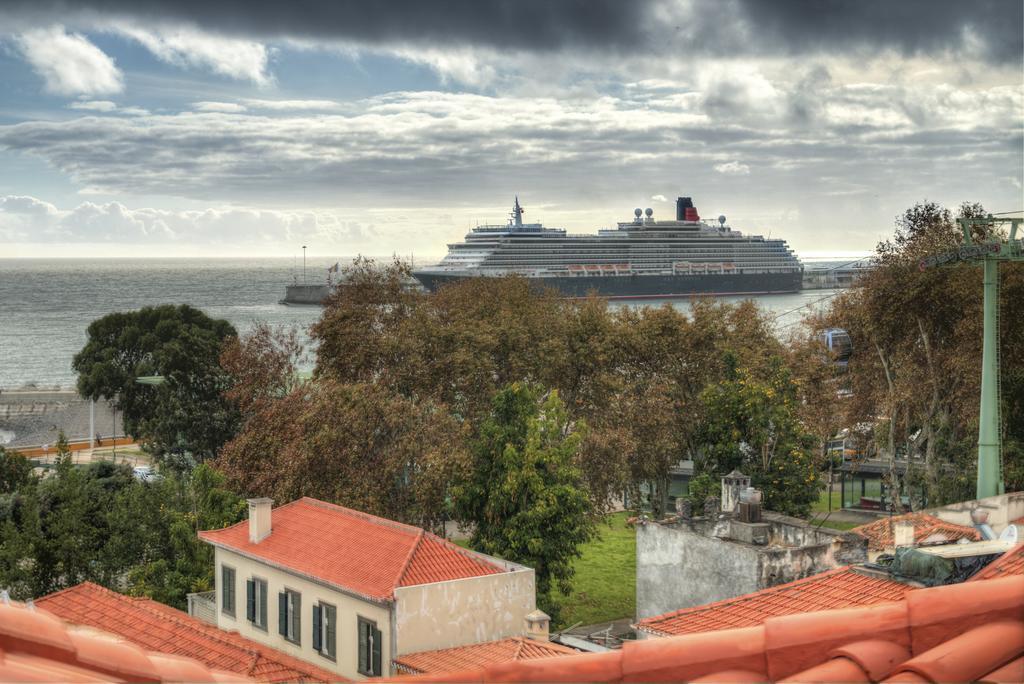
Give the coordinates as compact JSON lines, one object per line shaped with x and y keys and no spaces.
{"x":351,"y":592}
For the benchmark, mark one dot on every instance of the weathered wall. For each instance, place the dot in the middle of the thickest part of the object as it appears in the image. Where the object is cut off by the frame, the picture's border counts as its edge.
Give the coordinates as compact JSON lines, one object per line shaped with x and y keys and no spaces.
{"x":677,"y":567}
{"x":685,"y":565}
{"x":349,"y":610}
{"x":1002,"y":510}
{"x":464,"y":611}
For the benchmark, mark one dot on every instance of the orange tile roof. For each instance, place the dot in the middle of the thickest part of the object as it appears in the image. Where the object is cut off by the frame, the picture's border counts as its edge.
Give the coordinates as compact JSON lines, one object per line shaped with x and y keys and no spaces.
{"x":164,"y":629}
{"x":839,"y":588}
{"x":478,"y":655}
{"x":36,"y":646}
{"x":1010,"y":563}
{"x":880,"y":532}
{"x":972,"y":631}
{"x":354,"y":551}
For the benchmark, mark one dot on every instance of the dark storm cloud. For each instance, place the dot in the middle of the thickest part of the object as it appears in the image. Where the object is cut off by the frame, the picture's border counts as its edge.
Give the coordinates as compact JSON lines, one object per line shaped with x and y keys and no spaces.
{"x":712,"y":27}
{"x":911,"y":26}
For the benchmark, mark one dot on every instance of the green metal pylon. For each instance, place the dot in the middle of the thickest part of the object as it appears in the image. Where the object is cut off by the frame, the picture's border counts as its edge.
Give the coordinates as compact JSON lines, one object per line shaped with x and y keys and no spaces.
{"x":990,"y":439}
{"x":990,"y":480}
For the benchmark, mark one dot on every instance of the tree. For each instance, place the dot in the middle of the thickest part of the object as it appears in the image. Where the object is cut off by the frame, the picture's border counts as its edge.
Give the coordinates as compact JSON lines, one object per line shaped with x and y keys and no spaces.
{"x":15,"y":471}
{"x":357,"y":445}
{"x":917,"y":336}
{"x":172,"y":561}
{"x":98,"y":523}
{"x":187,"y":412}
{"x":752,"y":424}
{"x":524,"y":493}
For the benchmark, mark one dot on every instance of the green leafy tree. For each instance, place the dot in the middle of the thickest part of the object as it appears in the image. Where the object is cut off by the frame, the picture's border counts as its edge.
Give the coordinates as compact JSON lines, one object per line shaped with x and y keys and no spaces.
{"x":15,"y":471}
{"x":187,"y":412}
{"x":98,"y":523}
{"x":525,"y":494}
{"x":171,"y":560}
{"x":753,"y":424}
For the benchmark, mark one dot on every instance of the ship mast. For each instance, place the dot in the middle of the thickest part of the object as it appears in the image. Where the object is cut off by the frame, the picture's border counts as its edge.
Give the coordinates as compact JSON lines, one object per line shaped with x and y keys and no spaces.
{"x":517,"y":214}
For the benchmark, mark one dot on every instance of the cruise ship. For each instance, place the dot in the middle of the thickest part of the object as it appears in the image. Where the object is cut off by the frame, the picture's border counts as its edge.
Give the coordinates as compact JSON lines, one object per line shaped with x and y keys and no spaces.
{"x":642,"y":258}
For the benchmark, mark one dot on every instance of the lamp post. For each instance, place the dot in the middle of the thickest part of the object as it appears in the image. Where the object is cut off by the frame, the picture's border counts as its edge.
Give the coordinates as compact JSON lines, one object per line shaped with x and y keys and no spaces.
{"x":303,"y":264}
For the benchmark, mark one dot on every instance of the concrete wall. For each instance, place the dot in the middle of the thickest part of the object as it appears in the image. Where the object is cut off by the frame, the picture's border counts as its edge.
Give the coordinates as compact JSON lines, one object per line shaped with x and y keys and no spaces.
{"x":349,"y":610}
{"x":678,"y":568}
{"x":683,"y":565}
{"x":464,"y":611}
{"x":1001,"y":509}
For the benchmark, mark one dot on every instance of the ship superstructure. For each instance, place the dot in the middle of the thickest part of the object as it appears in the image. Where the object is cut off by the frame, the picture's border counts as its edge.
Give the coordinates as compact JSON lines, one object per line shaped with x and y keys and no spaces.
{"x":644,"y":257}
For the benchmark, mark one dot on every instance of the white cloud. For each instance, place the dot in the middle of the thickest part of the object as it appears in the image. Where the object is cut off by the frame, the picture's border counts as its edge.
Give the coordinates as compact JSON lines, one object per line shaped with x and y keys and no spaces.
{"x":452,"y":64}
{"x":94,"y":105}
{"x":27,"y":206}
{"x":30,"y":220}
{"x":243,"y":60}
{"x":225,"y":107}
{"x":69,"y":63}
{"x":286,"y":105}
{"x":659,"y":198}
{"x":732,"y":168}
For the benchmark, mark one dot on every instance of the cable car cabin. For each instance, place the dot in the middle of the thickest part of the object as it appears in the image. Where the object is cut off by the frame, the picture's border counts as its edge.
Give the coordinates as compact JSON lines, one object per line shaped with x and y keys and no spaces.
{"x":839,"y":345}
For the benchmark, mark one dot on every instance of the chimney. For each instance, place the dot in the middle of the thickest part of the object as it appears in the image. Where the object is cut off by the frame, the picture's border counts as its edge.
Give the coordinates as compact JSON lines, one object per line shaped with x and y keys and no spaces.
{"x":537,"y":624}
{"x":732,"y":484}
{"x":903,"y":533}
{"x":259,"y":519}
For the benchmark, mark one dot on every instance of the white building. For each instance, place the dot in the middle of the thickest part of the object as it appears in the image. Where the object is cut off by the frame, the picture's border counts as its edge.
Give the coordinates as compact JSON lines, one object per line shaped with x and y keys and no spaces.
{"x":350,"y":592}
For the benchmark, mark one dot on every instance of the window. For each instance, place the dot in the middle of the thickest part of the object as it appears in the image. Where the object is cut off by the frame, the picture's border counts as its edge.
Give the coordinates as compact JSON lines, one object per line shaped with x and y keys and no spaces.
{"x":289,"y":615}
{"x":325,"y":617}
{"x":256,"y":602}
{"x":369,"y":648}
{"x":227,"y":590}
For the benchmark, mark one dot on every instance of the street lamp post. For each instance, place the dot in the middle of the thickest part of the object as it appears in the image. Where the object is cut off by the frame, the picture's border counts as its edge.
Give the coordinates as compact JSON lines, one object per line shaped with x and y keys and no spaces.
{"x":303,"y":264}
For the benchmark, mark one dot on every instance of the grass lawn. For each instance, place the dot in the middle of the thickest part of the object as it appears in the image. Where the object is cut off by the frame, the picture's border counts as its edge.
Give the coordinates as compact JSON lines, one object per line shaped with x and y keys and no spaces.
{"x":604,"y":587}
{"x":821,"y":505}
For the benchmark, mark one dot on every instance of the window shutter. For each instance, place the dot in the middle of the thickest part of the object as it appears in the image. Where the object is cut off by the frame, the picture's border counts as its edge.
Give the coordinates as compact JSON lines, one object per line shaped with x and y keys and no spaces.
{"x":364,"y":647}
{"x":263,"y":604}
{"x":331,"y":617}
{"x":375,"y":653}
{"x":317,"y":645}
{"x":250,"y":600}
{"x":282,"y":614}
{"x":228,"y":580}
{"x":297,"y":618}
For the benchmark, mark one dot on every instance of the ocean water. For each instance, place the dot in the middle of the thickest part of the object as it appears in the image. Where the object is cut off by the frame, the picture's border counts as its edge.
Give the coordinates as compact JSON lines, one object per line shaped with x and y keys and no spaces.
{"x":46,"y":305}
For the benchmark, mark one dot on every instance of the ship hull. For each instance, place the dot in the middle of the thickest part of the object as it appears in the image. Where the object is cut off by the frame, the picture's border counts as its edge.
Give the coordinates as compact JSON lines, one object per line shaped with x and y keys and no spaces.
{"x":647,"y":286}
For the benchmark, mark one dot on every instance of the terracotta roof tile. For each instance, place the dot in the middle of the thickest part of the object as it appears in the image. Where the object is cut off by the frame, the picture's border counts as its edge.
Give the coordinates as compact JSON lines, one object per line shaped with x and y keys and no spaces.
{"x":36,"y":646}
{"x":839,"y":588}
{"x":1009,"y":564}
{"x":163,"y":629}
{"x":478,"y":655}
{"x":355,"y":551}
{"x":880,"y":532}
{"x":965,"y":632}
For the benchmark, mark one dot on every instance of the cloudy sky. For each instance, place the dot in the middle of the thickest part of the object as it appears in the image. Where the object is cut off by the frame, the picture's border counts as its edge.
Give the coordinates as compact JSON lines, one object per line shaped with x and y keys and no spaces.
{"x":232,"y":127}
